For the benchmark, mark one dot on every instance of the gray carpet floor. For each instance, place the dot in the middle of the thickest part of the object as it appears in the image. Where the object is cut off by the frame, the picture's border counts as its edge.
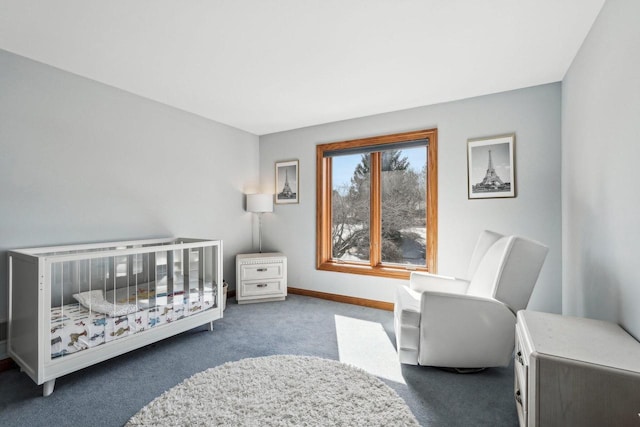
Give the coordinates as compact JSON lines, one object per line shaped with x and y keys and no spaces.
{"x":109,"y":393}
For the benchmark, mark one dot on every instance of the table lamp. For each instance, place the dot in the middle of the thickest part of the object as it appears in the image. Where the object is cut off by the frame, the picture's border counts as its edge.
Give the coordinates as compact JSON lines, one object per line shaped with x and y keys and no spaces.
{"x":259,"y":203}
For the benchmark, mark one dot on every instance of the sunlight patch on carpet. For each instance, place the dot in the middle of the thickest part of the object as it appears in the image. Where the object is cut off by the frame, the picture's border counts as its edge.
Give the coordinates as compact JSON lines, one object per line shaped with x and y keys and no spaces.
{"x":366,"y":345}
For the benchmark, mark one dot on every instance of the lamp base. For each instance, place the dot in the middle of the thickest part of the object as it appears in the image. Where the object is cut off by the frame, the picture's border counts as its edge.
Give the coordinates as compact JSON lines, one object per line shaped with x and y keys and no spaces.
{"x":260,"y":232}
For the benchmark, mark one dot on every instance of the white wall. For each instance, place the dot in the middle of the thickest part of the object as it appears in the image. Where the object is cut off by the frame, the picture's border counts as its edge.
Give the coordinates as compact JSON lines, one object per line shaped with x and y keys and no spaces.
{"x":533,"y":114}
{"x":83,"y":162}
{"x":600,"y":171}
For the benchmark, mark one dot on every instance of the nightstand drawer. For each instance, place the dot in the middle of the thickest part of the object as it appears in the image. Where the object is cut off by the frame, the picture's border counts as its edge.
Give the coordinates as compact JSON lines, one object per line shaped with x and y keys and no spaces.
{"x":261,"y":271}
{"x":262,"y":288}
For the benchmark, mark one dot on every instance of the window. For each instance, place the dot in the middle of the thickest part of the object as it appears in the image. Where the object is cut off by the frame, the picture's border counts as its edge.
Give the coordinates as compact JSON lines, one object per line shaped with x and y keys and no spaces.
{"x":377,"y":204}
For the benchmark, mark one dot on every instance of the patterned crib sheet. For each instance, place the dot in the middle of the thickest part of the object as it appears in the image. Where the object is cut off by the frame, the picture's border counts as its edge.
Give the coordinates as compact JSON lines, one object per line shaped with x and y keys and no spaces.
{"x":75,"y":327}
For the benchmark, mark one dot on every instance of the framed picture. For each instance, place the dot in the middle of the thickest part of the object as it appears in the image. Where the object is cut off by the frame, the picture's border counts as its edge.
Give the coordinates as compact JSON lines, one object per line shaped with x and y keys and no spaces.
{"x":491,"y":169}
{"x":287,"y":188}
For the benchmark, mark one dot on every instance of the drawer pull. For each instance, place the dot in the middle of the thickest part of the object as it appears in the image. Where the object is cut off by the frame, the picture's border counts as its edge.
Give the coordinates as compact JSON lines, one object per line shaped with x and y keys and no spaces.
{"x":261,"y":285}
{"x":262,"y":269}
{"x":518,"y":397}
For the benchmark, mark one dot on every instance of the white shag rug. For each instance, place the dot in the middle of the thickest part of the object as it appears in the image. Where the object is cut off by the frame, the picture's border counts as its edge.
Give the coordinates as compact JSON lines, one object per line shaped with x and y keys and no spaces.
{"x":278,"y":391}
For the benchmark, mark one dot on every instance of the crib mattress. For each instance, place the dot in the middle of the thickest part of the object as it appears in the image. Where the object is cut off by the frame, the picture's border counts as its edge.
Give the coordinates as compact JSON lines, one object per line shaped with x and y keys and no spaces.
{"x":75,"y":328}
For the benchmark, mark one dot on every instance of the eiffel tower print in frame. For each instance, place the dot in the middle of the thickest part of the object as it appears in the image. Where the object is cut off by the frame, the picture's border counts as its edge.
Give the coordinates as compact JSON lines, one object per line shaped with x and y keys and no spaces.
{"x":491,"y":167}
{"x":287,"y":180}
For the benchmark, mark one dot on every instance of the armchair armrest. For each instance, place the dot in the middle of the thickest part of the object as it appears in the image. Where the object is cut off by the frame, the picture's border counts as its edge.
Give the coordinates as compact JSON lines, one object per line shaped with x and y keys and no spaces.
{"x":427,"y":282}
{"x":465,"y":331}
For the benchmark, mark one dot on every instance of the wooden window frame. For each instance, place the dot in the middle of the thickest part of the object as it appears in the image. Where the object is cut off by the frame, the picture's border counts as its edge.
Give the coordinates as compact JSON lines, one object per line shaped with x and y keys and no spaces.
{"x":323,"y":207}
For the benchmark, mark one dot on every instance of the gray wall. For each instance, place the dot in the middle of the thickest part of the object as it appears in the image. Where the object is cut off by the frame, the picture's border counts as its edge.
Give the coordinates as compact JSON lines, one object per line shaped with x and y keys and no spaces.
{"x":83,"y":162}
{"x":533,"y":114}
{"x":600,"y":171}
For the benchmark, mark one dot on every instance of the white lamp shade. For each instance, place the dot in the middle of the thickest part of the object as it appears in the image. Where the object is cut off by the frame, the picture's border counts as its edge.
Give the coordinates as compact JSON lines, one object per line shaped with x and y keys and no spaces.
{"x":259,"y":203}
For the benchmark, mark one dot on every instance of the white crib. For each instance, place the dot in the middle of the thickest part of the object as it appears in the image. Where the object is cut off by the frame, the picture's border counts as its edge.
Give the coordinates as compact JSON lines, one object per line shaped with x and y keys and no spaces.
{"x":73,"y":306}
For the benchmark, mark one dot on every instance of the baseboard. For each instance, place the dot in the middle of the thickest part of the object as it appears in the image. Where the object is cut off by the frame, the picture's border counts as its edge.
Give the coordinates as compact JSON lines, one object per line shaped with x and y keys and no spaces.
{"x":343,"y":298}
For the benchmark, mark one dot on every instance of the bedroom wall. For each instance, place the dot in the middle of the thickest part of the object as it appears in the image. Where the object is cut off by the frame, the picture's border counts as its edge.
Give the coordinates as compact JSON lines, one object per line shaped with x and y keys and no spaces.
{"x":532,"y":113}
{"x":82,"y":162}
{"x":600,"y":173}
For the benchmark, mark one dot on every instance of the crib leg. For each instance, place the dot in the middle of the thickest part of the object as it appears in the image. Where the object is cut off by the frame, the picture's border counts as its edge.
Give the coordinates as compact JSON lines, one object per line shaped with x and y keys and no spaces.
{"x":47,"y":387}
{"x":211,"y":326}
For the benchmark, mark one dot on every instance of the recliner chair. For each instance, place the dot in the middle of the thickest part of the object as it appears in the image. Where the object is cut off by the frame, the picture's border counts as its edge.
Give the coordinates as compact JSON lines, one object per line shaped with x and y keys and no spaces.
{"x":468,"y":323}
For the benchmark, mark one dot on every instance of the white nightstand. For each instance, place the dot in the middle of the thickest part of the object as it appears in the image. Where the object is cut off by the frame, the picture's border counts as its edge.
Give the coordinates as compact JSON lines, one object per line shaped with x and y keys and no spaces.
{"x":261,"y":277}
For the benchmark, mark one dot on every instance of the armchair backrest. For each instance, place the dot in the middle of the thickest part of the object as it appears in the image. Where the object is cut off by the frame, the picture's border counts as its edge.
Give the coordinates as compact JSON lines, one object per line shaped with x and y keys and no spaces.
{"x":509,"y":271}
{"x":485,"y":241}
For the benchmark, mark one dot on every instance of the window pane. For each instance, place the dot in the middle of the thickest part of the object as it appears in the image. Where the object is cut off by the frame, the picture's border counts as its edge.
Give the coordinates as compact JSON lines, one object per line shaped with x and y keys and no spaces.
{"x":350,"y":197}
{"x":404,"y":205}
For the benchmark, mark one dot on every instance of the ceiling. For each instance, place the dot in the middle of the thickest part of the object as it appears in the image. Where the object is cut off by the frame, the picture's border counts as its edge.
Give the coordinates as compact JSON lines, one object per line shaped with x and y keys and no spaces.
{"x":266,"y":66}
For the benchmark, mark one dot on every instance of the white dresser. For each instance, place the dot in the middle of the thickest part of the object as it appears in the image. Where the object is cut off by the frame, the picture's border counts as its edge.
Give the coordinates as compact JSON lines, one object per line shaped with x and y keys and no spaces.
{"x":261,"y":277}
{"x":572,"y":371}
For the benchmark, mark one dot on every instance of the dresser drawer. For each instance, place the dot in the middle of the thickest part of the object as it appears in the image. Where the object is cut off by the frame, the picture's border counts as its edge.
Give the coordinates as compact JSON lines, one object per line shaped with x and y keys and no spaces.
{"x":261,"y":271}
{"x":262,"y":289}
{"x":520,"y":380}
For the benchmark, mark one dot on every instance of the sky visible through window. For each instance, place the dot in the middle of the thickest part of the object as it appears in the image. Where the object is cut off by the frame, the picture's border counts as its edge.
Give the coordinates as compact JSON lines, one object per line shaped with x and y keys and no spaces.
{"x":343,"y":166}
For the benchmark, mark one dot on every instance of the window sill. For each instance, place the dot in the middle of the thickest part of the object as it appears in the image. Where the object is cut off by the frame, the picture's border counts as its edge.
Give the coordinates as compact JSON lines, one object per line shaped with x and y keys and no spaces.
{"x":381,"y":271}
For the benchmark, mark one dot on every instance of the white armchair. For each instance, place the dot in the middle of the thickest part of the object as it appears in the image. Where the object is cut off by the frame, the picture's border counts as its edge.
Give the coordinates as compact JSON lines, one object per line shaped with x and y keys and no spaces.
{"x":468,"y":323}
